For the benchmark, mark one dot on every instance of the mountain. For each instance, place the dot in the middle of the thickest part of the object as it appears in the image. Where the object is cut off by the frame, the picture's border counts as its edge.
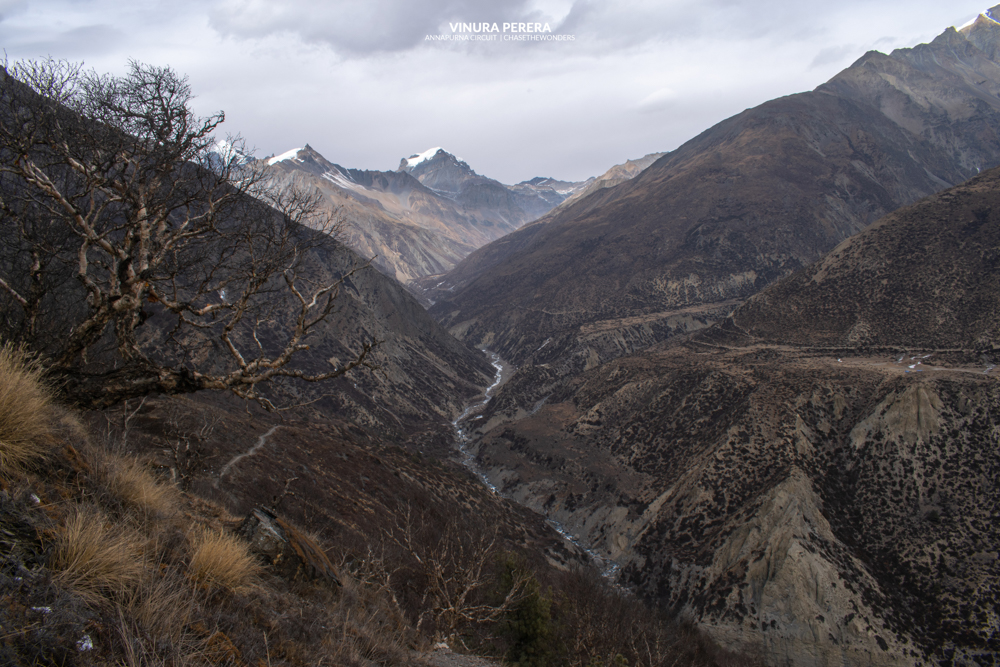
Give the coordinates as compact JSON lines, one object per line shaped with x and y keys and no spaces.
{"x":551,"y":190}
{"x":359,"y":545}
{"x":419,"y":220}
{"x":797,"y":455}
{"x":434,"y":288}
{"x":815,"y":477}
{"x":614,"y":176}
{"x":440,"y":170}
{"x":750,"y":200}
{"x":921,"y":277}
{"x":981,"y":31}
{"x":452,"y":177}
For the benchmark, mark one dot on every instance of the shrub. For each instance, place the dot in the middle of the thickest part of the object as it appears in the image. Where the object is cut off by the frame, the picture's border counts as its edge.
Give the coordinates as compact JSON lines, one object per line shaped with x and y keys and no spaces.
{"x":223,"y":561}
{"x":25,"y":419}
{"x":530,"y":629}
{"x":98,"y":559}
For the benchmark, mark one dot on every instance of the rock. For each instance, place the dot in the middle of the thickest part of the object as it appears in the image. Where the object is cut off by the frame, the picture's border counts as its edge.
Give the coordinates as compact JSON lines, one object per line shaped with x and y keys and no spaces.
{"x":286,"y":548}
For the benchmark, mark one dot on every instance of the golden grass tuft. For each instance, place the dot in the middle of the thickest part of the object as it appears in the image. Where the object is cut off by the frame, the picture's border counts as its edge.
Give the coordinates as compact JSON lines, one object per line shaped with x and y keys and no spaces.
{"x":222,"y":560}
{"x":25,"y":419}
{"x":98,"y":559}
{"x":128,"y":482}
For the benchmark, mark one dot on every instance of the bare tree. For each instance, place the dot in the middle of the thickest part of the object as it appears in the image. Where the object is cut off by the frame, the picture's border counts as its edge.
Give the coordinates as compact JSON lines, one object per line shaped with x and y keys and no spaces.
{"x":456,"y":572}
{"x":117,"y":205}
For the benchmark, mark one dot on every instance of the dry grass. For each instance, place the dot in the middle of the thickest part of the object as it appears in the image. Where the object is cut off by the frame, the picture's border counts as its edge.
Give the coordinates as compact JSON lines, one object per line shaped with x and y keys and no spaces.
{"x":25,"y":412}
{"x":163,"y":607}
{"x":98,"y":559}
{"x":153,"y":627}
{"x":367,"y":627}
{"x":130,"y":485}
{"x":222,"y":560}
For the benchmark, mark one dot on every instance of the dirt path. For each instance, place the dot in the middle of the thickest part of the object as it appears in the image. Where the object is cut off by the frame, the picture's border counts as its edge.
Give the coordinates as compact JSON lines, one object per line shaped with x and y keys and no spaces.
{"x":250,"y":452}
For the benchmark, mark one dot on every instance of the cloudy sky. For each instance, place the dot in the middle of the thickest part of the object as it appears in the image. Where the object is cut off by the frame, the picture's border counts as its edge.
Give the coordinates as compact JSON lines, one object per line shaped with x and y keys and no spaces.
{"x":360,"y":81}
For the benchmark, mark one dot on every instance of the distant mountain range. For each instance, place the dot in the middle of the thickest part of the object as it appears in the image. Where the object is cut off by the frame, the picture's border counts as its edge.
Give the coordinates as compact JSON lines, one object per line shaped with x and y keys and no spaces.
{"x":424,"y":217}
{"x":419,"y":221}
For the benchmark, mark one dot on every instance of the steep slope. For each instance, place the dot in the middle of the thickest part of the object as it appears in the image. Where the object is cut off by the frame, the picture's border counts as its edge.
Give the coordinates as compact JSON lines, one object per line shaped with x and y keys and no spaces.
{"x":436,"y":288}
{"x":389,"y":216}
{"x":831,"y":506}
{"x":422,"y":376}
{"x":750,"y":200}
{"x":616,"y":175}
{"x":827,"y":511}
{"x":922,"y":277}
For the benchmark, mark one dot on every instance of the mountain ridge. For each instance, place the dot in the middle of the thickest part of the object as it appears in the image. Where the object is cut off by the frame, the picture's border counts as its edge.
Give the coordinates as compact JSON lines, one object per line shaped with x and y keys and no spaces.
{"x":754,"y":198}
{"x":418,"y":220}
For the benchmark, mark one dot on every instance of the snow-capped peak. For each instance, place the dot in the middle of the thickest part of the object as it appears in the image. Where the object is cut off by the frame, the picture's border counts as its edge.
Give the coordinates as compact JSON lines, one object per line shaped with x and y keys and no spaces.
{"x":288,"y":155}
{"x":231,"y":152}
{"x":986,"y":14}
{"x":224,"y":148}
{"x":416,"y":159}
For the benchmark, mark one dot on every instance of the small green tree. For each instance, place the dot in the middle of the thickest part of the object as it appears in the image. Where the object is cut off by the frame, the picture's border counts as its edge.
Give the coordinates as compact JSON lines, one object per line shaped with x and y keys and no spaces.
{"x":529,"y":625}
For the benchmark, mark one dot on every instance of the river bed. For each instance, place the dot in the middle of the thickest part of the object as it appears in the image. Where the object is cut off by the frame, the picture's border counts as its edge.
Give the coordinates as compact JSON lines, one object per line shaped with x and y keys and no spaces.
{"x":462,"y":426}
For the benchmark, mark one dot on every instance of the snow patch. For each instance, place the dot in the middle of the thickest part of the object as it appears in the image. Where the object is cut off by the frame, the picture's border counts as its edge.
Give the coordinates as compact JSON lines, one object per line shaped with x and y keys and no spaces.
{"x":414,"y":160}
{"x":986,"y":15}
{"x":342,"y":181}
{"x":289,"y":155}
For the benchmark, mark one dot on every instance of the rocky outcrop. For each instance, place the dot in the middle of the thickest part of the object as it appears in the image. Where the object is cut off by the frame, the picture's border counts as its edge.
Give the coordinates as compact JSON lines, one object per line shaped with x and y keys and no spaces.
{"x":284,"y":547}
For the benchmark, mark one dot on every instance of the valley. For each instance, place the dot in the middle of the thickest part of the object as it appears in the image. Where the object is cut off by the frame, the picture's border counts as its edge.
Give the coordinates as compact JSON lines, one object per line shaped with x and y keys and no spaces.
{"x":782,"y":430}
{"x":733,"y":404}
{"x":733,"y":483}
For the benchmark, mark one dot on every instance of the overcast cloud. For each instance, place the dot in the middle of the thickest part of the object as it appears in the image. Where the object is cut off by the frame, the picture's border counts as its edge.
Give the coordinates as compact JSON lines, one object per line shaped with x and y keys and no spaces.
{"x":359,"y":81}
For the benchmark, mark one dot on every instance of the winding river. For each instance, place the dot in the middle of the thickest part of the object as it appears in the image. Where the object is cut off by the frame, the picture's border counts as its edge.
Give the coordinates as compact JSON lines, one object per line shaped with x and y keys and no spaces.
{"x":470,"y":414}
{"x":462,"y":426}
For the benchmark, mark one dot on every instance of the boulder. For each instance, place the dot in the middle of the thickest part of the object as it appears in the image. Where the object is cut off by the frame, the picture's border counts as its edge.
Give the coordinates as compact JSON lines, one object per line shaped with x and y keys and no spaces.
{"x":284,"y":547}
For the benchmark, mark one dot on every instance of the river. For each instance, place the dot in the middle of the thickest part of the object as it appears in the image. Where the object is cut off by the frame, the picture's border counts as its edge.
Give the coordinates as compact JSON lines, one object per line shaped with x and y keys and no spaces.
{"x":462,"y":425}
